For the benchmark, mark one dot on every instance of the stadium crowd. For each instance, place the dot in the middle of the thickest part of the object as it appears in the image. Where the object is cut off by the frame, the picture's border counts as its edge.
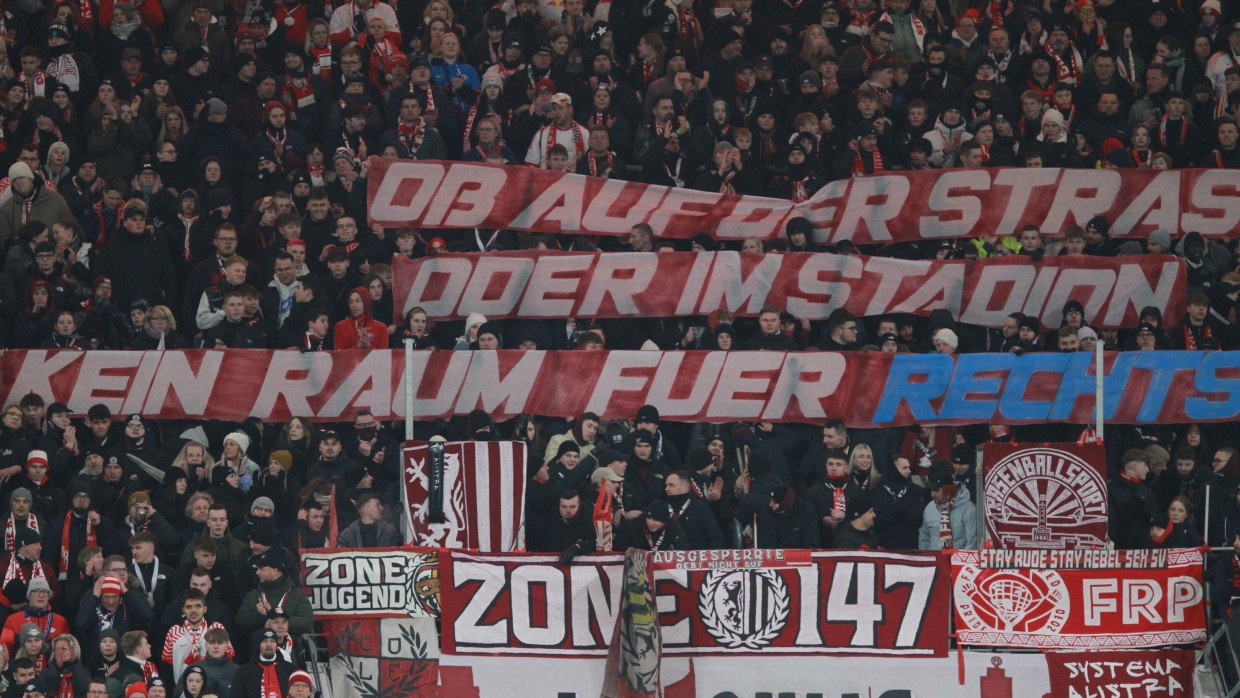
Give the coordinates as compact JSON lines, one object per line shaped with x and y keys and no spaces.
{"x":193,"y":174}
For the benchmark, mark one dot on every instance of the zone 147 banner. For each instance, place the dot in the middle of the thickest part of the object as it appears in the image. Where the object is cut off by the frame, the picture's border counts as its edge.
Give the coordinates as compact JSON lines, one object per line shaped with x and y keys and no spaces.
{"x":1053,"y":599}
{"x":1050,"y":496}
{"x":533,"y":285}
{"x":891,"y":207}
{"x":713,"y":602}
{"x":864,"y":389}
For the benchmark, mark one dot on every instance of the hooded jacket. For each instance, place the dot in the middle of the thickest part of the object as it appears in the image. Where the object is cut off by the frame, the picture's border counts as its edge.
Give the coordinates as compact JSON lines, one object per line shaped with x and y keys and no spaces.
{"x":348,"y":331}
{"x":965,"y":532}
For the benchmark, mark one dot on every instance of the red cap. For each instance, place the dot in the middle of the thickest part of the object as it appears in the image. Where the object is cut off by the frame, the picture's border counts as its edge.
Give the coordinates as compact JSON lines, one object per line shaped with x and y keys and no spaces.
{"x":137,"y":688}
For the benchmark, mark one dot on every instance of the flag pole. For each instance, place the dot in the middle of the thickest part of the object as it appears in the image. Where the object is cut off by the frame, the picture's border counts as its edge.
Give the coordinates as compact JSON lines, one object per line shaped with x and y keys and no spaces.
{"x":1099,"y":404}
{"x":409,"y":389}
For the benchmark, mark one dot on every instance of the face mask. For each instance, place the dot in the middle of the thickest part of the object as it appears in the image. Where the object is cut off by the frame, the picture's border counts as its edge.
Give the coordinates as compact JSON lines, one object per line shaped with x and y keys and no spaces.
{"x":368,"y":433}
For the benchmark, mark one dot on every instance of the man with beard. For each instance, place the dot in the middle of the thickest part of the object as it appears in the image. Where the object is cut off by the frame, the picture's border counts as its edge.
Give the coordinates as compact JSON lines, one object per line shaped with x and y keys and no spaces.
{"x":267,"y":675}
{"x":31,"y":200}
{"x":80,"y":527}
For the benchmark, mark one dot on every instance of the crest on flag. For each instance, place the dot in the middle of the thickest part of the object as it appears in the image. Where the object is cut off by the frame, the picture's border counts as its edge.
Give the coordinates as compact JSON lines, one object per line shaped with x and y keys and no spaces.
{"x":483,"y":494}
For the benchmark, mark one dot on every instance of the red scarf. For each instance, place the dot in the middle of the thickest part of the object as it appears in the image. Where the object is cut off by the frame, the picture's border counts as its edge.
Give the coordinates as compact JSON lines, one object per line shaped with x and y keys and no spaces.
{"x":86,"y":14}
{"x":188,"y":222}
{"x":579,"y":144}
{"x":92,"y":538}
{"x":469,"y":126}
{"x":593,"y":162}
{"x":15,"y":571}
{"x":725,"y":182}
{"x":945,"y":527}
{"x":10,"y":531}
{"x":316,"y":174}
{"x":858,"y":166}
{"x":1162,"y":130}
{"x":1065,"y":70}
{"x":38,"y":89}
{"x":99,"y":221}
{"x":800,"y":190}
{"x":65,"y":690}
{"x":321,"y":62}
{"x":271,"y":680}
{"x":602,"y":521}
{"x":298,"y":92}
{"x":37,"y":137}
{"x":1141,"y":158}
{"x":1190,"y":344}
{"x":837,"y":495}
{"x":1130,"y":478}
{"x":687,"y":25}
{"x":412,"y":136}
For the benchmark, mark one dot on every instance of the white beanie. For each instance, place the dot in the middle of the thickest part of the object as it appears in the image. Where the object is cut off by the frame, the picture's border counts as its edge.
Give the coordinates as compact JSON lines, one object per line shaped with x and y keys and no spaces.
{"x":474,"y":319}
{"x":240,"y":438}
{"x":20,"y":170}
{"x":947,"y":337}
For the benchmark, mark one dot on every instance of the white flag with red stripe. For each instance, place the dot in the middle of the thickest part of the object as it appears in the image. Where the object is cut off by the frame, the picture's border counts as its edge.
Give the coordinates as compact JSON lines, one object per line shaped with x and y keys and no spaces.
{"x":484,"y":495}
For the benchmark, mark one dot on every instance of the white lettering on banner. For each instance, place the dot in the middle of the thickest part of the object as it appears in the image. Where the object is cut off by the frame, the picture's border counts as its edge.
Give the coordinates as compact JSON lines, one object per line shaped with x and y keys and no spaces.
{"x":369,"y":583}
{"x":465,"y":197}
{"x":709,"y":602}
{"x":963,"y":210}
{"x":1218,"y":194}
{"x":893,"y":206}
{"x":809,"y":285}
{"x":1155,"y":676}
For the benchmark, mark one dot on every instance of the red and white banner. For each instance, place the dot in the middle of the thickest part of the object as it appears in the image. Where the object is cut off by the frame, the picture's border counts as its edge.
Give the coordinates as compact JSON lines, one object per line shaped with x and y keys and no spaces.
{"x":843,"y":603}
{"x":372,"y":583}
{"x":893,"y":206}
{"x":373,"y":657}
{"x":532,"y":285}
{"x":1166,"y":673}
{"x":483,"y":495}
{"x":864,"y":389}
{"x":1050,"y":496}
{"x":1078,"y":598}
{"x":963,"y":674}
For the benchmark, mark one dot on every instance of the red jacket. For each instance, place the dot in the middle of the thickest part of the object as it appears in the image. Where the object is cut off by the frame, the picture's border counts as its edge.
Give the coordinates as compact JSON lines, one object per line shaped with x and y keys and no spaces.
{"x":347,"y":331}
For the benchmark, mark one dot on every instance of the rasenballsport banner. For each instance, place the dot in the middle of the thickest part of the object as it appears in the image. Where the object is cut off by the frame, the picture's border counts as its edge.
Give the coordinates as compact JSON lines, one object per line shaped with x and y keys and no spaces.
{"x":1078,"y":598}
{"x":1050,"y":496}
{"x":372,"y":583}
{"x":865,"y":389}
{"x":835,"y":603}
{"x":534,"y":285}
{"x":483,"y":488}
{"x":891,"y":207}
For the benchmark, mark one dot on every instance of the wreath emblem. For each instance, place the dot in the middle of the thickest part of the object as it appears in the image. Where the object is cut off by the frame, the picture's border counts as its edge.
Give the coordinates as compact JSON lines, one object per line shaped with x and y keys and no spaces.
{"x":744,"y":608}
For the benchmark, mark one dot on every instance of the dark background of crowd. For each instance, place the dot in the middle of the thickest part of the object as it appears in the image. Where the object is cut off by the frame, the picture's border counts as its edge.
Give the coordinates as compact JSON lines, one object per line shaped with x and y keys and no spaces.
{"x":193,"y":174}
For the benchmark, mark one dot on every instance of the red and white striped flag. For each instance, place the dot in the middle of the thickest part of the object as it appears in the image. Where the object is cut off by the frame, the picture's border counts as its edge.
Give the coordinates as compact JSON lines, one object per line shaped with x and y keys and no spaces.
{"x":484,"y":495}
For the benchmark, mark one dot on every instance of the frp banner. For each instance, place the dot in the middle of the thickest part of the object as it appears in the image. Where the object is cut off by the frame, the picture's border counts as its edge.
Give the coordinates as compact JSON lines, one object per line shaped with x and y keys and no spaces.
{"x":547,"y":285}
{"x":483,"y":494}
{"x":842,"y":603}
{"x":372,"y":657}
{"x":864,"y":389}
{"x":891,"y":207}
{"x":1050,"y":496}
{"x":1078,"y":598}
{"x":371,"y":582}
{"x":1166,"y":673}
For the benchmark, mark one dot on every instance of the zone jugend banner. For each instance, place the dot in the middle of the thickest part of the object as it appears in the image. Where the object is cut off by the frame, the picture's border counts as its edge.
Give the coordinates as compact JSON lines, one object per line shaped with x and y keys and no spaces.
{"x":1054,"y":599}
{"x":834,"y":603}
{"x":891,"y":207}
{"x":351,"y":583}
{"x":864,"y":389}
{"x":548,"y":285}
